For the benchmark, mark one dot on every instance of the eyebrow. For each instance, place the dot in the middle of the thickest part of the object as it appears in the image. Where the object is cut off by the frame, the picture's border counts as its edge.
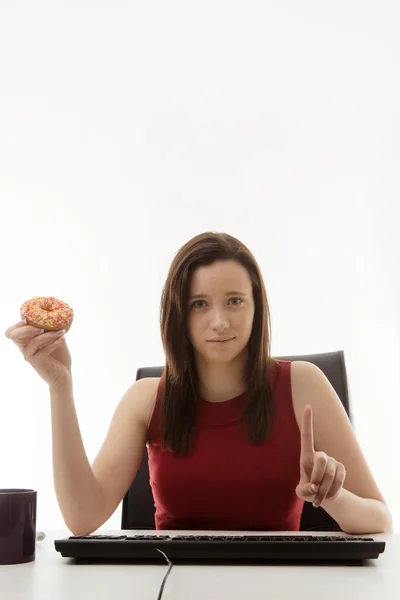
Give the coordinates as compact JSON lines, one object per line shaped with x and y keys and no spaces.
{"x":227,"y":294}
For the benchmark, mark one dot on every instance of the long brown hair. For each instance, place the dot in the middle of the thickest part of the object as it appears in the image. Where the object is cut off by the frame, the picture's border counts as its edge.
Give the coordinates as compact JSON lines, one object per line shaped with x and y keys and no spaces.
{"x":178,"y":402}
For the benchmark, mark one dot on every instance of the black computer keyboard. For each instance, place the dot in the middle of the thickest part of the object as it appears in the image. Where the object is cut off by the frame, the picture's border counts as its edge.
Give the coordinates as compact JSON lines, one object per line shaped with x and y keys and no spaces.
{"x":220,"y":547}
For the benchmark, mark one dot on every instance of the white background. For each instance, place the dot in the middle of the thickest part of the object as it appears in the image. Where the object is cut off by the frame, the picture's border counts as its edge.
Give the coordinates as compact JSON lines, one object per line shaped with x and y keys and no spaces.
{"x":126,"y":128}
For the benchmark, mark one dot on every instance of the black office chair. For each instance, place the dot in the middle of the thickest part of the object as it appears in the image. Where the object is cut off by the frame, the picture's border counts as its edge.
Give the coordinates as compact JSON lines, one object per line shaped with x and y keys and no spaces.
{"x":138,"y":504}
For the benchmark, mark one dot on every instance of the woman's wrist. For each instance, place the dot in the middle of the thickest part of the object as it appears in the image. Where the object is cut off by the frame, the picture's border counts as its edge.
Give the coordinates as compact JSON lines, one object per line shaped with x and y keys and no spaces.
{"x":62,"y":383}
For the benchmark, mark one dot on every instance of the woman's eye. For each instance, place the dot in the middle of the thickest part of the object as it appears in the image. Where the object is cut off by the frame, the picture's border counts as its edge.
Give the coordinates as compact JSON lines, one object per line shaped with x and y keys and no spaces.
{"x":197,"y":302}
{"x":200,"y":301}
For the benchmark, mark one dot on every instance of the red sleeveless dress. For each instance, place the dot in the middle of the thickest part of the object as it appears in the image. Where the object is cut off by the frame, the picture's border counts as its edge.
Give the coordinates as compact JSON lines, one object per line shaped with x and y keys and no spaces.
{"x":226,"y":483}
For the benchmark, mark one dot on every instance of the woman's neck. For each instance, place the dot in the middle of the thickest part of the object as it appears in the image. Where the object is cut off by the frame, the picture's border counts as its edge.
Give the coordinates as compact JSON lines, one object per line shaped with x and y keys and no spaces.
{"x":220,"y":382}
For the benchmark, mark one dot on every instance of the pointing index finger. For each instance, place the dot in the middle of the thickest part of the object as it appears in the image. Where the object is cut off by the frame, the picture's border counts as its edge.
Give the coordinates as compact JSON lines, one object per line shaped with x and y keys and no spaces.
{"x":307,"y":433}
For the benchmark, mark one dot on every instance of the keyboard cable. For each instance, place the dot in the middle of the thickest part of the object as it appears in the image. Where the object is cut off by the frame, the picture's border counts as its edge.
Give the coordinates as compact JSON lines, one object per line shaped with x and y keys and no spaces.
{"x":166,"y":574}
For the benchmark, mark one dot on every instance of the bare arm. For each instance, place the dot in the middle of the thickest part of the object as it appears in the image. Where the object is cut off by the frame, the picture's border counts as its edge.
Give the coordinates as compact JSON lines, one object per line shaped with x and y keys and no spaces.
{"x":359,"y":515}
{"x":89,"y":495}
{"x":361,"y":507}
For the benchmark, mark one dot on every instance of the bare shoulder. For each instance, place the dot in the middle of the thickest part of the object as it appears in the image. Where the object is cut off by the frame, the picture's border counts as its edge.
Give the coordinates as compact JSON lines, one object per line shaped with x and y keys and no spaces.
{"x":142,"y":395}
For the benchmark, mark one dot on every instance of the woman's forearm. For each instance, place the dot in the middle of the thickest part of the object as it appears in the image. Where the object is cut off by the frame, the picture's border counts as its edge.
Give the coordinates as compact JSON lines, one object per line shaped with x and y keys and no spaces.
{"x":359,"y":515}
{"x":78,"y":493}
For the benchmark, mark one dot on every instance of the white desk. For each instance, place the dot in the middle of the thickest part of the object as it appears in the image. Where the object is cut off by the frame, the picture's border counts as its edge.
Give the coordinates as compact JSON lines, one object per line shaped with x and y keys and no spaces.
{"x":52,"y":577}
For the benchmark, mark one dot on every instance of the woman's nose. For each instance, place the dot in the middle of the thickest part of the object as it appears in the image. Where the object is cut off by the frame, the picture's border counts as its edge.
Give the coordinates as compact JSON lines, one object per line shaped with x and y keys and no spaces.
{"x":219,"y":320}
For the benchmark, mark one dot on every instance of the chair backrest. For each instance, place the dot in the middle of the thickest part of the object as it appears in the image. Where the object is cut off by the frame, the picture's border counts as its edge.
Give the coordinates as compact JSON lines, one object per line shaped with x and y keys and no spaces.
{"x":138,"y":504}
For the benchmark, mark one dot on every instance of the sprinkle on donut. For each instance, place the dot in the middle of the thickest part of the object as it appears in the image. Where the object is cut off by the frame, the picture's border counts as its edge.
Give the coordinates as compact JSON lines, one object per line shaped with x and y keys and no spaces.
{"x":48,"y":313}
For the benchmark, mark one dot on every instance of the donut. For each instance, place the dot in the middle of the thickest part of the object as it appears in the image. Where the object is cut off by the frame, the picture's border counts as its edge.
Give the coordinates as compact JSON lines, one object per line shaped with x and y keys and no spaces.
{"x":47,"y":313}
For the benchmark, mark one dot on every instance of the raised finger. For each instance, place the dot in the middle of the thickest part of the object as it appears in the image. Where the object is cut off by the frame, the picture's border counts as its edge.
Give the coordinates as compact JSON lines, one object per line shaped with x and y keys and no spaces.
{"x":307,"y":434}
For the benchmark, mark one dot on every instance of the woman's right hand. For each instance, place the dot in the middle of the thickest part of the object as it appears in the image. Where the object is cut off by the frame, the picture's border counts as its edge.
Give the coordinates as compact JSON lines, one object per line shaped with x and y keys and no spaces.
{"x":47,"y":352}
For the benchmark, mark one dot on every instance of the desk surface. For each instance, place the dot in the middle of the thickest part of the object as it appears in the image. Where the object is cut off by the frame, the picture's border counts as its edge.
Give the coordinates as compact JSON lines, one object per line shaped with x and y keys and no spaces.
{"x":51,"y":576}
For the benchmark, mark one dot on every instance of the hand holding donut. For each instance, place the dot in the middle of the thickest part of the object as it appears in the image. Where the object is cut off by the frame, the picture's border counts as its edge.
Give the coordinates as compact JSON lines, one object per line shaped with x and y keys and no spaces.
{"x":40,"y":337}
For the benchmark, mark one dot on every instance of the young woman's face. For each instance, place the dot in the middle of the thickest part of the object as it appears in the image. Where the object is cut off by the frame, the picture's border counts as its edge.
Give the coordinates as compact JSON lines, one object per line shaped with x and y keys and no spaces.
{"x":224,"y":309}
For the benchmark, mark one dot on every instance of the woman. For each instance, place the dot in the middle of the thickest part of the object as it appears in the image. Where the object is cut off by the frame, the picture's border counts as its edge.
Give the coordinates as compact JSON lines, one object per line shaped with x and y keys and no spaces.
{"x":236,"y":440}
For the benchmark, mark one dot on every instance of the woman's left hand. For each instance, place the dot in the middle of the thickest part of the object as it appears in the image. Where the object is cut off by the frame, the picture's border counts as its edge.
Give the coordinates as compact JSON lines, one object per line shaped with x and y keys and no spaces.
{"x":321,"y":476}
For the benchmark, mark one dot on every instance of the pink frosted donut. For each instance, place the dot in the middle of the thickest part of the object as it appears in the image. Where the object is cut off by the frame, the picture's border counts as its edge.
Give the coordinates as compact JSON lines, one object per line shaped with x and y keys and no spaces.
{"x":47,"y":313}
